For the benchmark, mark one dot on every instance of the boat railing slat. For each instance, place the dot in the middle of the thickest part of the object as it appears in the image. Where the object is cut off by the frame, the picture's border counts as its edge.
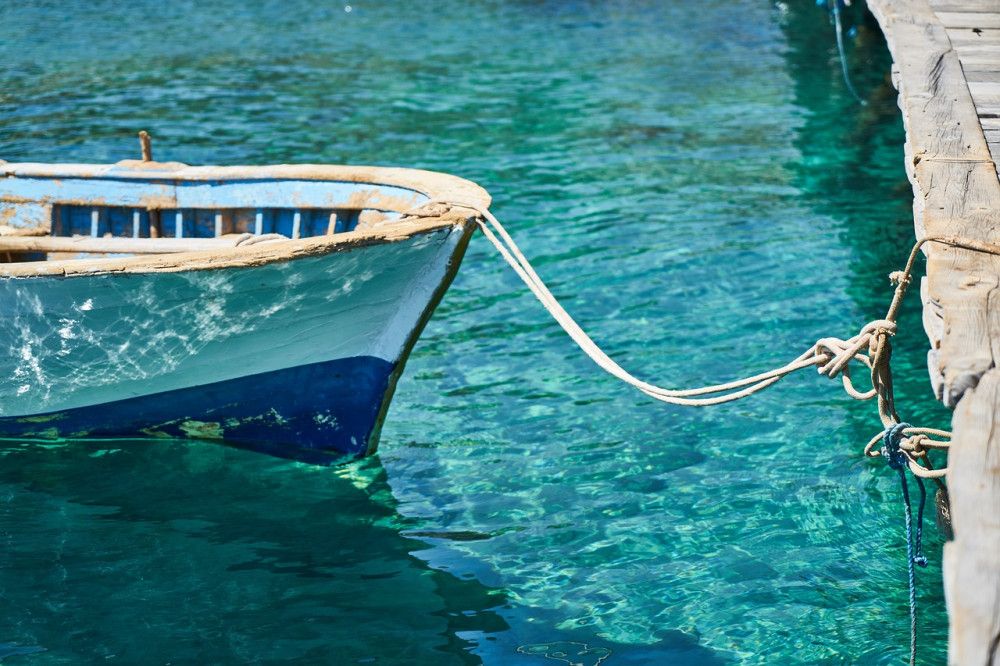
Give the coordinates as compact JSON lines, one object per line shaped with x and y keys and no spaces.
{"x":116,"y":245}
{"x":137,"y":222}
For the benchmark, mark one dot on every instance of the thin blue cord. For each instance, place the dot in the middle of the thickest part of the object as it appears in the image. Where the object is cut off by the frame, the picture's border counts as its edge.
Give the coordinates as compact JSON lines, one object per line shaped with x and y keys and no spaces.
{"x":914,"y":543}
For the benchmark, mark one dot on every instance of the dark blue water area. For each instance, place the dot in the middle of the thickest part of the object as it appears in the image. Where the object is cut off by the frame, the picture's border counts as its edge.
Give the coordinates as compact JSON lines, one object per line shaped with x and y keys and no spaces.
{"x":699,"y":188}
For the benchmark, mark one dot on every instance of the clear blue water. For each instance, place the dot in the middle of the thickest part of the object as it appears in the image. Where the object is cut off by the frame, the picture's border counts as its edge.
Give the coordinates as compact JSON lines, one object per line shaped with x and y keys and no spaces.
{"x":696,"y":184}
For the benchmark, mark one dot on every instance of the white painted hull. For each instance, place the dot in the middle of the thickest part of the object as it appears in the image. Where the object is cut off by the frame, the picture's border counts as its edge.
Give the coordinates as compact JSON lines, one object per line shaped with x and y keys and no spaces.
{"x":293,"y":355}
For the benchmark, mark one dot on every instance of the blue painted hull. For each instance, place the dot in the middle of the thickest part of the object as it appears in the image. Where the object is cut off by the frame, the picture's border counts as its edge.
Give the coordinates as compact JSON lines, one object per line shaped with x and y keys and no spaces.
{"x":314,"y":412}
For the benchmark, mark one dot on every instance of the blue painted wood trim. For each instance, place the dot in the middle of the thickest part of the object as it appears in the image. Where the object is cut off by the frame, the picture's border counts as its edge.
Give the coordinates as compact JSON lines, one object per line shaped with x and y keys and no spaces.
{"x":196,"y":194}
{"x":70,"y":220}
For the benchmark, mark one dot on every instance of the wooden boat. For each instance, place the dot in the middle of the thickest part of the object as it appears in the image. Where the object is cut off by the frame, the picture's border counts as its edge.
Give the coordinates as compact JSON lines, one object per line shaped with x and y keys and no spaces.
{"x":270,"y":307}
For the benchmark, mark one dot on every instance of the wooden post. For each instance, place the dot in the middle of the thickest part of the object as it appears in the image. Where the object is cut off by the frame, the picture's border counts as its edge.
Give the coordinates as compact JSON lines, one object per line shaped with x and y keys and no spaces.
{"x":146,"y":146}
{"x":957,"y":194}
{"x":154,"y":223}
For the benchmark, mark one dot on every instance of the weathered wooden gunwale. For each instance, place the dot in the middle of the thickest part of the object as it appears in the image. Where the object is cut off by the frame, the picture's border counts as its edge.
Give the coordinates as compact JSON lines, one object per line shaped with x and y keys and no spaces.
{"x":464,"y":198}
{"x":947,"y":69}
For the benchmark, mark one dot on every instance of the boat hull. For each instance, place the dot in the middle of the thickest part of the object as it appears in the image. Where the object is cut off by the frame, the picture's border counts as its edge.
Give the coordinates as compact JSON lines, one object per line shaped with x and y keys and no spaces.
{"x":297,"y":357}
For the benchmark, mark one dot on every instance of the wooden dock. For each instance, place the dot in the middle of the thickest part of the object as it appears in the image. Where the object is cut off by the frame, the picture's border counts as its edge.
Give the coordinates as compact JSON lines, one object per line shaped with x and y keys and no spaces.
{"x":946,"y":57}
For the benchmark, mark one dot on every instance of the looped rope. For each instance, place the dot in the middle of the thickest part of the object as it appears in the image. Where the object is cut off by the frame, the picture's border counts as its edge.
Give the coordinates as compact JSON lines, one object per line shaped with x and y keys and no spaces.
{"x":831,"y":356}
{"x":840,"y":353}
{"x":871,"y":347}
{"x":914,"y":444}
{"x":891,"y":450}
{"x":904,"y":446}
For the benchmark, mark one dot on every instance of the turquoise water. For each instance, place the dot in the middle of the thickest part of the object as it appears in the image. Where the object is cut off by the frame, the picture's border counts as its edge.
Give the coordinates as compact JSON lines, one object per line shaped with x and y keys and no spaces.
{"x":699,"y":188}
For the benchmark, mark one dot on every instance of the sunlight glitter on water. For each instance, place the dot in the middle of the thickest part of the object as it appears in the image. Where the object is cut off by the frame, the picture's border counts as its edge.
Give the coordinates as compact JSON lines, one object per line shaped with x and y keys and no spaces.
{"x":698,"y":188}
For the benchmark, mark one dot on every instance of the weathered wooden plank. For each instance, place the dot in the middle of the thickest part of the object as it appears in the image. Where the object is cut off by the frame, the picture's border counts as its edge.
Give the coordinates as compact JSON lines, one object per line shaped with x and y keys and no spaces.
{"x":987,"y":104}
{"x":967,"y":348}
{"x":932,"y":318}
{"x":115,"y":245}
{"x":969,"y":19}
{"x":957,"y":194}
{"x":995,"y":151}
{"x":964,"y":5}
{"x":972,"y":559}
{"x":950,"y":167}
{"x":983,"y":62}
{"x":981,"y":76}
{"x":972,"y":36}
{"x":984,"y":90}
{"x":933,"y":321}
{"x":993,"y":141}
{"x":979,"y":51}
{"x":944,"y":124}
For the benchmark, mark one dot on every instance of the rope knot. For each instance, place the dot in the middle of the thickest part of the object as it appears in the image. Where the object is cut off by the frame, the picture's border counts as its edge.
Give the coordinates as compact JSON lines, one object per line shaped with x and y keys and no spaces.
{"x":899,"y":277}
{"x":834,"y":356}
{"x":880,"y":327}
{"x":915,"y":445}
{"x":892,"y":451}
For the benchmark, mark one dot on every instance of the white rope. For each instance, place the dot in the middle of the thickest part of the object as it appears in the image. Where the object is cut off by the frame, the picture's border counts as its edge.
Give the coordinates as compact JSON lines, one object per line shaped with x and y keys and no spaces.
{"x":832,"y":355}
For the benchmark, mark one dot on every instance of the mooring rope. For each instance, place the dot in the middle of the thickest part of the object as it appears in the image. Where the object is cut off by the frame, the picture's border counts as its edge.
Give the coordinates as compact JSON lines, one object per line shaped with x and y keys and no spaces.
{"x":839,"y":30}
{"x":831,"y":355}
{"x":903,"y":446}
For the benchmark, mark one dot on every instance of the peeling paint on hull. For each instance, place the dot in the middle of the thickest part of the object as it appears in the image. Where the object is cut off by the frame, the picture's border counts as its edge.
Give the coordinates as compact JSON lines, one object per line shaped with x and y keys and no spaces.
{"x":311,"y":412}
